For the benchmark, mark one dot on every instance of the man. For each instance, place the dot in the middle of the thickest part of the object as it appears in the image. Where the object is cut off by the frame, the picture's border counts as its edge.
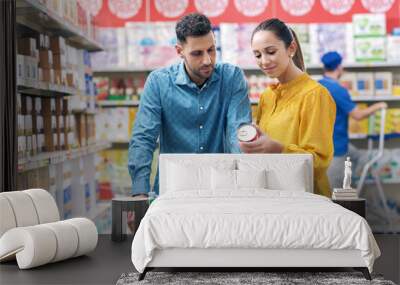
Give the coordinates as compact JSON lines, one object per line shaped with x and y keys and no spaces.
{"x":345,"y":107}
{"x":195,"y":106}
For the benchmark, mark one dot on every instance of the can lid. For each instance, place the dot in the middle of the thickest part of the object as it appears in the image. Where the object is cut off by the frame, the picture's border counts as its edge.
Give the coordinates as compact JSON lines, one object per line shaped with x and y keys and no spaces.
{"x":246,"y":133}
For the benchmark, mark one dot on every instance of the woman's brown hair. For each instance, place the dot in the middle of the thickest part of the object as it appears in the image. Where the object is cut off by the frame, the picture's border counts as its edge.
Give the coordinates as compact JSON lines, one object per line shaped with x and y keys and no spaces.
{"x":284,"y":33}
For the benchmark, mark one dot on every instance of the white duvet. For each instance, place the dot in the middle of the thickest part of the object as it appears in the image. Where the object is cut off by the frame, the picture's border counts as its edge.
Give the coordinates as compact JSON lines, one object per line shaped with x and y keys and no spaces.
{"x":250,"y":219}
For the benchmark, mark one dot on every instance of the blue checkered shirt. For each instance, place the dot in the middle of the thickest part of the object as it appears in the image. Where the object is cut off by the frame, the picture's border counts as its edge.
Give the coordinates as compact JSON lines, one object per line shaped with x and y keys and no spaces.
{"x":186,"y":118}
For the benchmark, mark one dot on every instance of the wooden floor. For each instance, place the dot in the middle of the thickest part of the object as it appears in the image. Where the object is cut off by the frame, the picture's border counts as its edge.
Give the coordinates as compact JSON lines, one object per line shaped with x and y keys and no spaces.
{"x":111,"y":259}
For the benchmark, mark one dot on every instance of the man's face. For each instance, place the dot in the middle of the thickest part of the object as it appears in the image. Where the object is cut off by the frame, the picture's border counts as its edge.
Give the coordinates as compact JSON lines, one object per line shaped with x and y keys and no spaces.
{"x":199,"y":55}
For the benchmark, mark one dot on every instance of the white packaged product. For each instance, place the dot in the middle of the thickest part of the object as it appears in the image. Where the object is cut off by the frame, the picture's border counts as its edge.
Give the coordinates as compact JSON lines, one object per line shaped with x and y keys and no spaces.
{"x":369,"y":24}
{"x":393,"y":48}
{"x":39,"y":123}
{"x":28,"y":124}
{"x":370,"y":48}
{"x":28,"y":104}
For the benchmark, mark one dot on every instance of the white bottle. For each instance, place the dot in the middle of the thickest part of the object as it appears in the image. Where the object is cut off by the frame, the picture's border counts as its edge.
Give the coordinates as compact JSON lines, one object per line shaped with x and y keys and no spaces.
{"x":347,"y":174}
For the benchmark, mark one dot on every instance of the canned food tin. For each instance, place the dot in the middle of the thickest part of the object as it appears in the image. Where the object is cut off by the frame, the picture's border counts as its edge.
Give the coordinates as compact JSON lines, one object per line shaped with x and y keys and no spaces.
{"x":247,"y":133}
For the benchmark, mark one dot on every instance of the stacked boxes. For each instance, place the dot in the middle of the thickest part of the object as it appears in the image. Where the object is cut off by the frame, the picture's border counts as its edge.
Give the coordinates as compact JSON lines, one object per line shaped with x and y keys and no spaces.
{"x":368,"y":83}
{"x":27,"y":62}
{"x":369,"y":37}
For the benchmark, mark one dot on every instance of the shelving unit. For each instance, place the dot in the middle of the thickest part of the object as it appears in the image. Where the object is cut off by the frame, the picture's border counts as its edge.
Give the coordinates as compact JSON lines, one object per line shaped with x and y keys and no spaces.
{"x":33,"y":14}
{"x":48,"y":158}
{"x":119,"y":103}
{"x":356,"y":65}
{"x":43,"y":89}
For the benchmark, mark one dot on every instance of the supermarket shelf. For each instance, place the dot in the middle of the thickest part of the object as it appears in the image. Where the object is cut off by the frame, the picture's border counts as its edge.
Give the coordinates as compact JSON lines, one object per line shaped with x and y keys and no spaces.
{"x":124,"y":69}
{"x":360,"y":65}
{"x":46,"y":89}
{"x":48,"y":158}
{"x":374,"y":137}
{"x":33,"y":14}
{"x":357,"y":136}
{"x":375,"y":98}
{"x":118,"y":103}
{"x":100,"y":209}
{"x":360,"y":99}
{"x":85,"y":111}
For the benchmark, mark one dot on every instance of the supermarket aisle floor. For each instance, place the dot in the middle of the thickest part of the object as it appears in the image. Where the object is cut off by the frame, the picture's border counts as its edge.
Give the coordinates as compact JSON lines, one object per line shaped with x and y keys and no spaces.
{"x":110,"y":260}
{"x":102,"y":266}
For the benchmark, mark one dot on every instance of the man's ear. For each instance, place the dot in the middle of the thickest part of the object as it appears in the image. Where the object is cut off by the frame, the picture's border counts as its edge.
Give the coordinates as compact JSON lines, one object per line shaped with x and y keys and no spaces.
{"x":179,"y":50}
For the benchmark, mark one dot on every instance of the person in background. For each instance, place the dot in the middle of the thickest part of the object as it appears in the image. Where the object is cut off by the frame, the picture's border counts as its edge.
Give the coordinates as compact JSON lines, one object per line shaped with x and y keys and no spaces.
{"x":345,"y":107}
{"x":297,"y":114}
{"x":194,"y":106}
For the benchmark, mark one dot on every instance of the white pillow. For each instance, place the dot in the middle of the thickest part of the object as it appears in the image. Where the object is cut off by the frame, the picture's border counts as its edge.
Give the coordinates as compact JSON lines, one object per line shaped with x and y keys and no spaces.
{"x":251,"y":178}
{"x":223,"y":179}
{"x":183,"y":178}
{"x":281,"y":175}
{"x":185,"y":174}
{"x":293,"y":180}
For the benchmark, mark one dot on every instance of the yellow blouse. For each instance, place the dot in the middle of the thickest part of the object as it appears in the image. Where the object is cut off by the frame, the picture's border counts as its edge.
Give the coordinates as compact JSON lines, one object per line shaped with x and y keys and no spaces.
{"x":300,"y":115}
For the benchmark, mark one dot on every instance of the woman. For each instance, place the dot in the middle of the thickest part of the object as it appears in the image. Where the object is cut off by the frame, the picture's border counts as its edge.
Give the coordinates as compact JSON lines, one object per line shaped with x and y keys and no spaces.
{"x":297,"y":114}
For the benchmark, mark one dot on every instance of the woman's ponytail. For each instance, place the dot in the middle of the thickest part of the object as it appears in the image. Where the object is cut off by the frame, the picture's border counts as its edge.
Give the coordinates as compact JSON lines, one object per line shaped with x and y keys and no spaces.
{"x":298,"y":56}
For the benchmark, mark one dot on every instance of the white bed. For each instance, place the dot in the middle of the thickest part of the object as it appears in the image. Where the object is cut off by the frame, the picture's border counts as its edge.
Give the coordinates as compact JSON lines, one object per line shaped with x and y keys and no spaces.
{"x":219,"y":210}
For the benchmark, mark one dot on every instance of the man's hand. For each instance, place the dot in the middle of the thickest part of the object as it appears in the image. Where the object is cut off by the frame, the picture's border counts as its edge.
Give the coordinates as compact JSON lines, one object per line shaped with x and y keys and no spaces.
{"x":262,"y":145}
{"x":381,"y":105}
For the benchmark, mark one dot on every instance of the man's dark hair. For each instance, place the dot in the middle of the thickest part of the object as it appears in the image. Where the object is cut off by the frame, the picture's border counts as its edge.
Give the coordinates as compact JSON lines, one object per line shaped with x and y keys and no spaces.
{"x":192,"y":25}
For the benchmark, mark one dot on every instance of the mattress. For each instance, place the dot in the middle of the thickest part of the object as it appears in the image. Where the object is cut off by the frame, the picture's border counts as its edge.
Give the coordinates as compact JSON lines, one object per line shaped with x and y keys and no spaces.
{"x":251,"y":219}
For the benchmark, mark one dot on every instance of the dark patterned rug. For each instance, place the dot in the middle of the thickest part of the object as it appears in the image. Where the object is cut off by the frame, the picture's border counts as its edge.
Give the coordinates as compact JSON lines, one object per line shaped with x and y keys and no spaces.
{"x":229,"y":278}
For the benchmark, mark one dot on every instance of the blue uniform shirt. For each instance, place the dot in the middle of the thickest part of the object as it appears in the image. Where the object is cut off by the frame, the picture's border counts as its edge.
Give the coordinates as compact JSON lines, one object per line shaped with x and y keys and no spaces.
{"x":186,"y":118}
{"x":344,"y":105}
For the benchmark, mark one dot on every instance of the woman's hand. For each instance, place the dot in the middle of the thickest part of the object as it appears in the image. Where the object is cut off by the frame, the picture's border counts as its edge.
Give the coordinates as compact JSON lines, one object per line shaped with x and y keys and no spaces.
{"x":261,"y":145}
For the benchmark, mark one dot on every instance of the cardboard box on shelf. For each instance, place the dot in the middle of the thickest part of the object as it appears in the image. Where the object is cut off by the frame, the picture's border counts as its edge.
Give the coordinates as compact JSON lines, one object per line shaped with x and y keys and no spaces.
{"x":45,"y":58}
{"x":57,"y":105}
{"x":365,"y":83}
{"x":40,"y":142}
{"x":46,"y":75}
{"x":383,"y":82}
{"x":81,"y":129}
{"x":39,"y":124}
{"x":59,"y":61}
{"x":58,"y":77}
{"x":48,"y":106}
{"x":349,"y":81}
{"x":34,"y":145}
{"x":48,"y":133}
{"x":70,"y":79}
{"x":57,"y":45}
{"x":28,"y":125}
{"x":65,"y":106}
{"x":27,"y":46}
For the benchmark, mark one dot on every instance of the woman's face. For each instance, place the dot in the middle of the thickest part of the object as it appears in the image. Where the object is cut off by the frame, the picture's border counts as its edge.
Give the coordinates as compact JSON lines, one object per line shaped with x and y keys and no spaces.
{"x":271,"y":54}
